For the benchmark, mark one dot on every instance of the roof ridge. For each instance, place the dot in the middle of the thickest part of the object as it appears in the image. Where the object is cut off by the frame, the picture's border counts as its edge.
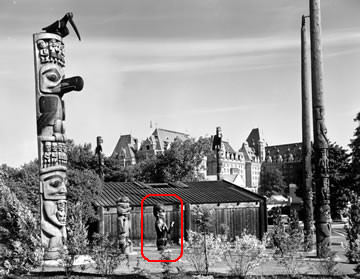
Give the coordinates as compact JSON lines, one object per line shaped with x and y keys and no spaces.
{"x":171,"y":131}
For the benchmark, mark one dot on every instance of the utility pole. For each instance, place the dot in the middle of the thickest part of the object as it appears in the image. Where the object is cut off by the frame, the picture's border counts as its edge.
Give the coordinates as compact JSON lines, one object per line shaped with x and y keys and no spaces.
{"x":216,"y":146}
{"x":321,"y":143}
{"x":306,"y":142}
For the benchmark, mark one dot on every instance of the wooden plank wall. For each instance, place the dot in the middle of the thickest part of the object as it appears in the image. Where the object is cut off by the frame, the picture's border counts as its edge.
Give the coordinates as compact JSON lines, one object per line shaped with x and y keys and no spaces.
{"x":237,"y":219}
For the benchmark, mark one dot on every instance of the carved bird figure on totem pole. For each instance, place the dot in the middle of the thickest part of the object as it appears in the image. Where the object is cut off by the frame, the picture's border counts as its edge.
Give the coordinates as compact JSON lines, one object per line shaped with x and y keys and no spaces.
{"x":59,"y":27}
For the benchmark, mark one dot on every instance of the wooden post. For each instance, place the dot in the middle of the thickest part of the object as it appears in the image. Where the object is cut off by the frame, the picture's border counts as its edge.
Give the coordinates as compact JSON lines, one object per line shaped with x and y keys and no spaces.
{"x":50,"y":87}
{"x":322,"y":209}
{"x":187,"y":220}
{"x":262,"y":219}
{"x":306,"y":142}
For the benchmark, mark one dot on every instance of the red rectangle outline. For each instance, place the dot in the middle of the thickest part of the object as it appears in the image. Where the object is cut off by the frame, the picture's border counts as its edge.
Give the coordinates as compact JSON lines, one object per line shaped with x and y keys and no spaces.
{"x":142,"y":227}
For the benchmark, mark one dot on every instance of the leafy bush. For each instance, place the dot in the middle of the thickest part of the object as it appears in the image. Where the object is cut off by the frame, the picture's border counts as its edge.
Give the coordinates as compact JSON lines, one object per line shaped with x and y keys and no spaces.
{"x":287,"y":240}
{"x":352,"y":229}
{"x":244,"y":254}
{"x":19,"y":233}
{"x":77,"y":242}
{"x":194,"y":250}
{"x":106,"y":254}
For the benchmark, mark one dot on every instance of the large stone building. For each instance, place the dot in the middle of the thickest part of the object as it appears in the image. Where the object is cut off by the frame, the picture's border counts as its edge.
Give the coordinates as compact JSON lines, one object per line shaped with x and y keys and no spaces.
{"x":130,"y":151}
{"x":285,"y":157}
{"x":242,"y":167}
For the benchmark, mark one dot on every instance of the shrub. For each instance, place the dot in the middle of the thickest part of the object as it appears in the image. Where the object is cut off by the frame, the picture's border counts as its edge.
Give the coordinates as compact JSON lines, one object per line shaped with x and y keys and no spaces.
{"x":19,"y":233}
{"x":244,"y":254}
{"x":194,"y":250}
{"x":77,"y":242}
{"x":287,"y":240}
{"x":106,"y":254}
{"x":352,"y":229}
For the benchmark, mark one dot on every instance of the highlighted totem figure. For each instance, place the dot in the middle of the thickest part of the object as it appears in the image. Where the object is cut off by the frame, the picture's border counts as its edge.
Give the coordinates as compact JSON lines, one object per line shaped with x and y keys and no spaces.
{"x":50,"y":87}
{"x":123,"y":225}
{"x":160,"y":227}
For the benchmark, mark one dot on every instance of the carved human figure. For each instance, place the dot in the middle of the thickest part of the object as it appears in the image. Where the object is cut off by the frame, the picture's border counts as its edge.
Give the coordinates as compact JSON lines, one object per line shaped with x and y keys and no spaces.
{"x":53,"y":217}
{"x":321,"y":135}
{"x":123,"y":224}
{"x":325,"y":190}
{"x":46,"y":154}
{"x":161,"y":228}
{"x":323,"y":163}
{"x":54,"y":154}
{"x":43,"y":51}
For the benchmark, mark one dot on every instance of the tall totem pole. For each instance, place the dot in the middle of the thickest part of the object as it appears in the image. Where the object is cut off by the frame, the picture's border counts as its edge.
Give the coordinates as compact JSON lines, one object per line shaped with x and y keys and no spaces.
{"x":217,"y":147}
{"x":321,"y":143}
{"x":98,"y":152}
{"x":306,"y":141}
{"x":50,"y":87}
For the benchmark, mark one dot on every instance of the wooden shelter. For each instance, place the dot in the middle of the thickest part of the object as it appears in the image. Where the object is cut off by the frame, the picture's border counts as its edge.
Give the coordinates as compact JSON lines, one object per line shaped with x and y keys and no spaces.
{"x":235,"y":207}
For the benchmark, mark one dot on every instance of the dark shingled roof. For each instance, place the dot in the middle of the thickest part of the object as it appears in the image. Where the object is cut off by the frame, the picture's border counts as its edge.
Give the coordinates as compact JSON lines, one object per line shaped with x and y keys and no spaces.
{"x":203,"y":192}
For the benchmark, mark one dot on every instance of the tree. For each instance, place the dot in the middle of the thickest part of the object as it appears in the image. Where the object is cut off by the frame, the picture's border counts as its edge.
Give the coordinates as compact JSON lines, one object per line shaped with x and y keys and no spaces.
{"x":24,"y":183}
{"x":340,"y":180}
{"x":84,"y":187}
{"x":339,"y":176}
{"x":181,"y":162}
{"x":81,"y":156}
{"x":272,"y":182}
{"x":19,"y":233}
{"x":355,"y":157}
{"x":114,"y":171}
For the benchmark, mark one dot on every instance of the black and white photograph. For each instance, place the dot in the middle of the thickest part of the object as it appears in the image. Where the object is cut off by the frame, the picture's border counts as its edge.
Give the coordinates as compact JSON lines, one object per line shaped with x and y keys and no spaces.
{"x":180,"y":139}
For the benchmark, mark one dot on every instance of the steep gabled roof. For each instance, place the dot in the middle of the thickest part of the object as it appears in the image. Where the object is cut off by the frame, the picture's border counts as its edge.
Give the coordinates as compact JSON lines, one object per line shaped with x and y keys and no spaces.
{"x":228,"y":147}
{"x":203,"y":192}
{"x":162,"y":135}
{"x":125,"y":142}
{"x":253,"y":138}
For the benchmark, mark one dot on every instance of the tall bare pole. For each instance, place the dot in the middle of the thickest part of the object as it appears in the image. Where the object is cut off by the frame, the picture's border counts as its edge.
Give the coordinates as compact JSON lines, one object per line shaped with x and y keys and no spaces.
{"x":306,"y":142}
{"x":322,"y":208}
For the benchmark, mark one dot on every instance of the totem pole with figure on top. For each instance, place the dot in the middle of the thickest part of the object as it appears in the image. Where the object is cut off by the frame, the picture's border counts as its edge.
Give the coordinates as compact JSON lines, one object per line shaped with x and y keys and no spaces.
{"x":50,"y":87}
{"x":123,"y":225}
{"x":161,"y":228}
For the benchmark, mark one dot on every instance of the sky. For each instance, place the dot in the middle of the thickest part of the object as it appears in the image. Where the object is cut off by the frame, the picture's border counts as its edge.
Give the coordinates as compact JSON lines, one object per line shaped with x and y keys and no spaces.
{"x":187,"y":66}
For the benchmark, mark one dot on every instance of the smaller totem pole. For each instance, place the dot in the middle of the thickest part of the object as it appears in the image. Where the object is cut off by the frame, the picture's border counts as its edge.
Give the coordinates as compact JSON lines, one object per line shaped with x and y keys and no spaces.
{"x":98,"y":152}
{"x":123,"y":225}
{"x":50,"y":87}
{"x":217,"y":147}
{"x":160,"y":227}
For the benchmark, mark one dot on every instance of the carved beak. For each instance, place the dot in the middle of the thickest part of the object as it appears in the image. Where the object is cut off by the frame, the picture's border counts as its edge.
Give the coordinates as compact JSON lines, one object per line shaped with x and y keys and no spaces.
{"x":74,"y":26}
{"x":70,"y":84}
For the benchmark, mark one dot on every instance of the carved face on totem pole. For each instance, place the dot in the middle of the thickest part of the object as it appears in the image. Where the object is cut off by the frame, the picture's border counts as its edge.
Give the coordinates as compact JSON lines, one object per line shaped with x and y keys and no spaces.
{"x":123,"y":224}
{"x":123,"y":211}
{"x":51,"y":85}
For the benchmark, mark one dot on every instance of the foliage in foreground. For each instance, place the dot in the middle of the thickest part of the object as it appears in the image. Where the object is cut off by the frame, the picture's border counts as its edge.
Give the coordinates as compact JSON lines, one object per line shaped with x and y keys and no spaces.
{"x":244,"y":254}
{"x":288,"y":242}
{"x":19,"y":234}
{"x":241,"y":256}
{"x":352,"y":229}
{"x":106,"y":254}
